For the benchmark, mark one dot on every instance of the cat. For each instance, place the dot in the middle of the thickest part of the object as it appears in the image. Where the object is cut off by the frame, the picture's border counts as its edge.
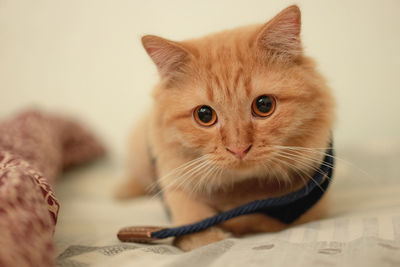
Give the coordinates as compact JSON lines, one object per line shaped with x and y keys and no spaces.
{"x":237,"y":116}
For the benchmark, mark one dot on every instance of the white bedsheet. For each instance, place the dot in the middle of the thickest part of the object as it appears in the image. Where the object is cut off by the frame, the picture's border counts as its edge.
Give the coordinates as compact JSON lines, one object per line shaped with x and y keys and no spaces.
{"x":362,"y":229}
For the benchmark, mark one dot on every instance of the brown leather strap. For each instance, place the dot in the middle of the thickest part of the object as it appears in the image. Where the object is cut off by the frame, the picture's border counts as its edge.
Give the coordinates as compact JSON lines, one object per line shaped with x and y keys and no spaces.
{"x":140,"y":234}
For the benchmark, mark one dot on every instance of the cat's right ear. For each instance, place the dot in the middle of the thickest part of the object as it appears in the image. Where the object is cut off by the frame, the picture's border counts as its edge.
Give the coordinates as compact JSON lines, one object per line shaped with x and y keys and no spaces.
{"x":169,"y":56}
{"x":281,"y":35}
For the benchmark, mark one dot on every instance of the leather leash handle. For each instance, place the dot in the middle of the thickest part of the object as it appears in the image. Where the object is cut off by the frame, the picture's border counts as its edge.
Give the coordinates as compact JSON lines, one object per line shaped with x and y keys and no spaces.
{"x":138,"y":234}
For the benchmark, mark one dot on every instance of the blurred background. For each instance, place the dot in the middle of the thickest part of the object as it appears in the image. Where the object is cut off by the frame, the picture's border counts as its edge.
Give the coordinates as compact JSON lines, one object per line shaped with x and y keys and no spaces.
{"x":85,"y":59}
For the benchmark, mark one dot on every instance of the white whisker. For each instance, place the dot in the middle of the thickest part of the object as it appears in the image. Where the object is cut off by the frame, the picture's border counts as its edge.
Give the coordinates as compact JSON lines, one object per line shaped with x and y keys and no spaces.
{"x":315,"y":160}
{"x":200,"y":179}
{"x":177,"y":170}
{"x":297,"y":168}
{"x":187,"y":176}
{"x":323,"y":153}
{"x":182,"y":179}
{"x":301,"y":160}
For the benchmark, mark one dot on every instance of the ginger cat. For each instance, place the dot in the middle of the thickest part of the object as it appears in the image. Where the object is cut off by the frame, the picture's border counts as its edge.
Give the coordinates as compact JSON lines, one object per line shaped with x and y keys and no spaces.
{"x":238,"y":115}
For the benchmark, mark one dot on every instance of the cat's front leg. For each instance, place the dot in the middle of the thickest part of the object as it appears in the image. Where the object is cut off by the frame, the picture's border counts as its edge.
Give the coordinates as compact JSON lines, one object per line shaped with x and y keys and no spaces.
{"x":185,"y":209}
{"x":193,"y":241}
{"x":141,"y":173}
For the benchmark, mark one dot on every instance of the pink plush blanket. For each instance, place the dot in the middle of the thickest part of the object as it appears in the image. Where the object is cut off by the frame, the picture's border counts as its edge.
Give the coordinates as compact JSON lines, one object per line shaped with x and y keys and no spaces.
{"x":34,"y":148}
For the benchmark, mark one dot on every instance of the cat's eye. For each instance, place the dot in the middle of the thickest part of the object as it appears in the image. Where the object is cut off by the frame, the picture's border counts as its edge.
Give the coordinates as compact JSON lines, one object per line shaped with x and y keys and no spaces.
{"x":263,"y":106}
{"x":205,"y":115}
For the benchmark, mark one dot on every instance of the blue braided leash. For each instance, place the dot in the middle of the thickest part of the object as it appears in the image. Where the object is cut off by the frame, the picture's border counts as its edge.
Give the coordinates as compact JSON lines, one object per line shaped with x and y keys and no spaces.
{"x":286,"y":208}
{"x":315,"y":187}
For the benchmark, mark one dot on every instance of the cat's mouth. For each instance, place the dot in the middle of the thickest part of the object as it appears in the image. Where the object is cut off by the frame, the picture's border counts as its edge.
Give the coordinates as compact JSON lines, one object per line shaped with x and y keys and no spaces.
{"x":230,"y":162}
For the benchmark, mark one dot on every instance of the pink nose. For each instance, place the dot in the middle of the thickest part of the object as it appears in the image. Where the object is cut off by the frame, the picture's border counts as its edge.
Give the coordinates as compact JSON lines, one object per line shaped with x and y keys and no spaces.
{"x":239,"y":151}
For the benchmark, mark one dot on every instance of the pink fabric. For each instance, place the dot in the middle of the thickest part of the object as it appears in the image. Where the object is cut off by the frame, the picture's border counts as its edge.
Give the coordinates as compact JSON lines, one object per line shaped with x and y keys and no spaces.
{"x":34,"y":149}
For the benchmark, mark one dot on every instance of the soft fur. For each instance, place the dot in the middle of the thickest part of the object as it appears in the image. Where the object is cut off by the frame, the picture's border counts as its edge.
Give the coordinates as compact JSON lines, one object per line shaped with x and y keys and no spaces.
{"x":199,"y":177}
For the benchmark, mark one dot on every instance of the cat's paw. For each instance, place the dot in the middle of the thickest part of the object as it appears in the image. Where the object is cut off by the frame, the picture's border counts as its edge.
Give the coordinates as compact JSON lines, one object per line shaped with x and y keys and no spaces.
{"x":193,"y":241}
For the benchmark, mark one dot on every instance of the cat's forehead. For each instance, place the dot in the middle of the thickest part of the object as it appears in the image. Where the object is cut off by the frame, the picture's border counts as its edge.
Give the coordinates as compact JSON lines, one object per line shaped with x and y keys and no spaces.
{"x":224,"y":62}
{"x":231,"y":71}
{"x":227,"y":48}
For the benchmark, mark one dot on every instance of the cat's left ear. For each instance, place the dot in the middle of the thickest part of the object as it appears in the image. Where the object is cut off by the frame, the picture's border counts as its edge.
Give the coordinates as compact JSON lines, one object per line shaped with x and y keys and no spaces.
{"x":169,"y":56}
{"x":281,"y":35}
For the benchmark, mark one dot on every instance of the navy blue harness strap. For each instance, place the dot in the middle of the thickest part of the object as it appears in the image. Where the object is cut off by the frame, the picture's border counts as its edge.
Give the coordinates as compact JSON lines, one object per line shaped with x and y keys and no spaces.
{"x":286,"y":208}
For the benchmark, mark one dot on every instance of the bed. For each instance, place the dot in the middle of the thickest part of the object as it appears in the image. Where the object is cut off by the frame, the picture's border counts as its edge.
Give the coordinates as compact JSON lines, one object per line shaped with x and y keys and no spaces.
{"x":362,"y":228}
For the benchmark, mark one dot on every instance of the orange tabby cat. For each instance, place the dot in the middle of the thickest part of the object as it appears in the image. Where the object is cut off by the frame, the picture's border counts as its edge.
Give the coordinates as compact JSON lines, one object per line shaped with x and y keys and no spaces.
{"x":236,"y":117}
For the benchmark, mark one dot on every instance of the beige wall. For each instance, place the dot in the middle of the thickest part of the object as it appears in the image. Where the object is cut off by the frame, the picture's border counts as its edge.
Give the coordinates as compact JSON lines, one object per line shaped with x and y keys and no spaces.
{"x":85,"y":57}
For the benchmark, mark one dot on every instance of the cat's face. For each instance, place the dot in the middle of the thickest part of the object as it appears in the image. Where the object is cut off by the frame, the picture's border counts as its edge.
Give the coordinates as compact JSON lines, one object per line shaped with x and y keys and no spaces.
{"x":238,"y":95}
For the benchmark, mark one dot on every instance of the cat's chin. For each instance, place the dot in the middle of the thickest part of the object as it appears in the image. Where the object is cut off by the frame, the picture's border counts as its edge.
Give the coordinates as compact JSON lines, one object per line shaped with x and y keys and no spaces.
{"x":243,"y":167}
{"x":242,"y":172}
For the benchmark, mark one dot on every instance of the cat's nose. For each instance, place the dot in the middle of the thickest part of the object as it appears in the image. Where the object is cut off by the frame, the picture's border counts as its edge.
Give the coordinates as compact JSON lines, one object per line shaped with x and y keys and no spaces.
{"x":239,"y":151}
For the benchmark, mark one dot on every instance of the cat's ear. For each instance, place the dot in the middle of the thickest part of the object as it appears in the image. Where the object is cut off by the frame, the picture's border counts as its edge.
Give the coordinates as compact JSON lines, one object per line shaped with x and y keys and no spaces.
{"x":281,"y":35}
{"x":167,"y":55}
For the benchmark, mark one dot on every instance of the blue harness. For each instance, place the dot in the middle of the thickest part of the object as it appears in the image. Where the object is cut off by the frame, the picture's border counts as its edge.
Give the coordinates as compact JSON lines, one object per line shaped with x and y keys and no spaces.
{"x":286,"y":208}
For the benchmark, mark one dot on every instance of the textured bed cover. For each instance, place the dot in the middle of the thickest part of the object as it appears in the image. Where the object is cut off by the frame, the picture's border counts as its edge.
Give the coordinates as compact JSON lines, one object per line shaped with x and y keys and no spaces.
{"x":362,"y":229}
